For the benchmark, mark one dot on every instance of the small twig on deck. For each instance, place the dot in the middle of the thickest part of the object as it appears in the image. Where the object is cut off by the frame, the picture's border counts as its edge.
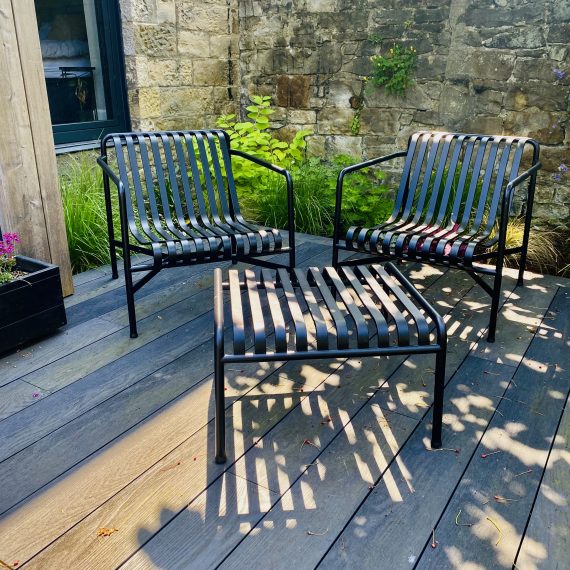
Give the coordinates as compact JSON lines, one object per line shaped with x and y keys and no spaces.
{"x":461,"y":524}
{"x":4,"y":565}
{"x":434,"y":542}
{"x":454,"y":449}
{"x":500,"y":499}
{"x":485,"y":455}
{"x":523,"y":473}
{"x":308,"y":442}
{"x":311,"y":533}
{"x":491,"y":373}
{"x":104,"y":531}
{"x":498,"y":528}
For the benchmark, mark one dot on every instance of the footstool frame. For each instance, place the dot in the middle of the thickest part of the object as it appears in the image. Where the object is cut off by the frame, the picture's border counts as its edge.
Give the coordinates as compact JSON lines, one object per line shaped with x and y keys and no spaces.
{"x":395,"y":312}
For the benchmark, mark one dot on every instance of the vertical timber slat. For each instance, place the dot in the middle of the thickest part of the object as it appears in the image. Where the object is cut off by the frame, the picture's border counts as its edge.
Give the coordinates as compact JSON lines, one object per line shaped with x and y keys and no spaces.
{"x":30,"y":202}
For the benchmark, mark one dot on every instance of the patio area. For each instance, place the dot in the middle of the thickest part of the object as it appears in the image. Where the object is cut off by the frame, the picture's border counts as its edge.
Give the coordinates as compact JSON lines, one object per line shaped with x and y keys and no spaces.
{"x":107,"y":442}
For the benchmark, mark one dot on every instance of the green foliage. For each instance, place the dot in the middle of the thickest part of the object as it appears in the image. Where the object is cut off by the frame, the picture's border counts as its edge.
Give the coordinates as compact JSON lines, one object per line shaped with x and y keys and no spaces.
{"x":81,"y":184}
{"x":393,"y":71}
{"x":254,"y":137}
{"x":366,"y":199}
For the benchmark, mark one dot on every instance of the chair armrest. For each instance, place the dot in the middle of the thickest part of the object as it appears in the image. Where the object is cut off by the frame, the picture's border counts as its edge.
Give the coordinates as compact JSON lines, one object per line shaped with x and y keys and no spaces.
{"x":354,"y":168}
{"x":109,"y":172}
{"x":512,"y":185}
{"x":284,"y":172}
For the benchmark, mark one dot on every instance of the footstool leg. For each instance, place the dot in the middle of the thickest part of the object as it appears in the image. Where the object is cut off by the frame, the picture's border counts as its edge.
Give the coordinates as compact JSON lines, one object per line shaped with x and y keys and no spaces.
{"x":438,"y":399}
{"x":220,"y":412}
{"x":220,"y":421}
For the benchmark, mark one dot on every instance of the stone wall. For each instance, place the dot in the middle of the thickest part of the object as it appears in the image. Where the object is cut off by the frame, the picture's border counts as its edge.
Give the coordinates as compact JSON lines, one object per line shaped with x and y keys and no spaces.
{"x":181,"y":60}
{"x":484,"y":66}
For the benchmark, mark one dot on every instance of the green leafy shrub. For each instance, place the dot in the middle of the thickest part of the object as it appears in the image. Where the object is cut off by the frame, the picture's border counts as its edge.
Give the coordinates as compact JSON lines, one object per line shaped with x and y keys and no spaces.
{"x":81,"y":185}
{"x":254,"y":137}
{"x":393,"y":71}
{"x":366,"y":198}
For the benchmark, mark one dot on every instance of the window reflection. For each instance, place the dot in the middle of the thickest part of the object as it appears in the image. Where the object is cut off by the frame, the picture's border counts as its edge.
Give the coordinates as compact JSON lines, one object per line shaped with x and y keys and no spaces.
{"x":71,"y":54}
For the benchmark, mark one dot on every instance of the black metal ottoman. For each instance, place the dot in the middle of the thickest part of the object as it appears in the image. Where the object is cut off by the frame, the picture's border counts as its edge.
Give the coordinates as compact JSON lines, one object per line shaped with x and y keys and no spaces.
{"x":324,"y":313}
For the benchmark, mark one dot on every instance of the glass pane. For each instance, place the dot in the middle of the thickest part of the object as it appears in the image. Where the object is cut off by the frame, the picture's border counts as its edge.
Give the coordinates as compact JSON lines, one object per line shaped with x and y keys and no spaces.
{"x":73,"y":64}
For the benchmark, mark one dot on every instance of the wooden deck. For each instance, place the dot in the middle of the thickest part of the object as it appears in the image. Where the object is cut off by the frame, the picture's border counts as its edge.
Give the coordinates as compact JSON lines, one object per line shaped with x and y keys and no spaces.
{"x":329,"y":461}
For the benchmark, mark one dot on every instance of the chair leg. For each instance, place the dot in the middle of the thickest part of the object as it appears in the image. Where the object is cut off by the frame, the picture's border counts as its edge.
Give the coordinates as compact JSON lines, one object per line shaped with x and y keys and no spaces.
{"x":495,"y":298}
{"x":438,"y":399}
{"x":220,"y":409}
{"x":113,"y":255}
{"x":220,"y":420}
{"x":130,"y":298}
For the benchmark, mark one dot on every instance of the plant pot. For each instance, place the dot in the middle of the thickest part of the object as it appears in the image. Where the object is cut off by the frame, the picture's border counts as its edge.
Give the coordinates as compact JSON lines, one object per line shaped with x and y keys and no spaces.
{"x":30,"y":306}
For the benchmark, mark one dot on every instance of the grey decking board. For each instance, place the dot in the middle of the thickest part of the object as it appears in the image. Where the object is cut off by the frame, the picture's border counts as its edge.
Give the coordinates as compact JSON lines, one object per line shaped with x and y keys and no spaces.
{"x":530,"y":415}
{"x":16,"y":396}
{"x":545,"y":544}
{"x":49,"y":350}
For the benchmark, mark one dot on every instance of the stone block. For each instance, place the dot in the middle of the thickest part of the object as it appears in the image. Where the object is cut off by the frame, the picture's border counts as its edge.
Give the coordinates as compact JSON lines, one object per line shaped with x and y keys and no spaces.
{"x":144,"y":11}
{"x":186,"y":101}
{"x":379,"y":121}
{"x":530,"y":37}
{"x":210,"y":72}
{"x":315,"y":145}
{"x":156,"y":40}
{"x":293,"y":91}
{"x":535,"y":123}
{"x":149,"y":102}
{"x":221,"y":46}
{"x":491,"y":64}
{"x":334,"y":120}
{"x":212,"y":18}
{"x":163,"y":72}
{"x":300,"y":117}
{"x":166,"y":11}
{"x":194,"y":44}
{"x":349,"y":145}
{"x":320,"y":6}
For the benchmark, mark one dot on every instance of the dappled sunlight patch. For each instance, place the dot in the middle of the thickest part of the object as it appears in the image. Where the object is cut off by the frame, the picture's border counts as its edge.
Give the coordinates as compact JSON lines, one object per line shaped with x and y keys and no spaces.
{"x":554,"y":496}
{"x":456,"y":560}
{"x":503,"y":439}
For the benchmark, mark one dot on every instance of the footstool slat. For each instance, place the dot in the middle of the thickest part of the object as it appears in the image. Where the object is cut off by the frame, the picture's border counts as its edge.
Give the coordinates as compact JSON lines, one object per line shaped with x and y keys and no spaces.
{"x":237,"y":314}
{"x":402,"y":328}
{"x":421,"y":323}
{"x":301,"y":343}
{"x":382,"y":333}
{"x":279,"y":329}
{"x":362,"y":337}
{"x":341,"y":328}
{"x":256,"y":312}
{"x":321,"y":330}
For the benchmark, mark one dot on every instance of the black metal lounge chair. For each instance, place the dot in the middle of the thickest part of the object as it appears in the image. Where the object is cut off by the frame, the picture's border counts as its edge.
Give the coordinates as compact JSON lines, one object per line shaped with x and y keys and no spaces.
{"x":452,"y":206}
{"x":178,"y":204}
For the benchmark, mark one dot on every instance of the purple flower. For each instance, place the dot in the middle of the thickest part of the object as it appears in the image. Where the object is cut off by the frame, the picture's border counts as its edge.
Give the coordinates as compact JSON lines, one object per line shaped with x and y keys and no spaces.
{"x":563,"y":168}
{"x":557,"y":177}
{"x":558,"y":73}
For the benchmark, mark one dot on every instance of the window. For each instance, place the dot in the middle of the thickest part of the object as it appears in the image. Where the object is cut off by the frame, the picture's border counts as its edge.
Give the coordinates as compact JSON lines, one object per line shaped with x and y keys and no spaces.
{"x":83,"y":68}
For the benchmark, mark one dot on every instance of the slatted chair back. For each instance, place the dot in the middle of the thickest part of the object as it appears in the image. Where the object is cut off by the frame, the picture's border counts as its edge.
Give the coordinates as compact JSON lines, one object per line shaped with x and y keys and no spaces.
{"x":454,"y":182}
{"x":178,"y":184}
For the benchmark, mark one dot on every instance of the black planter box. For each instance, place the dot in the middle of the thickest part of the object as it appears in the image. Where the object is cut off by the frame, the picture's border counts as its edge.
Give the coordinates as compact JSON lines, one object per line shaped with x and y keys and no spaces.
{"x":32,"y":306}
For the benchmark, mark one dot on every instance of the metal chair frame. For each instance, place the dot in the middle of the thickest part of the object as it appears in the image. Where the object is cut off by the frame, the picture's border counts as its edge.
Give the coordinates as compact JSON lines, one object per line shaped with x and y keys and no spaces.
{"x":323,"y":313}
{"x":452,"y":206}
{"x":178,"y":204}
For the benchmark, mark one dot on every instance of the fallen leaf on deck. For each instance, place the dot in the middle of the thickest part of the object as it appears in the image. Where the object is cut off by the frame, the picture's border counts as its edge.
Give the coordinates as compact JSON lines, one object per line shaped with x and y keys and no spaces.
{"x":104,"y":531}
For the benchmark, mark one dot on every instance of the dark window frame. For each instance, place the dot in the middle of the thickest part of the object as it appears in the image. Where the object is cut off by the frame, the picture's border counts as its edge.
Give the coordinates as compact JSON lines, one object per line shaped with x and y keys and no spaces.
{"x":112,"y":53}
